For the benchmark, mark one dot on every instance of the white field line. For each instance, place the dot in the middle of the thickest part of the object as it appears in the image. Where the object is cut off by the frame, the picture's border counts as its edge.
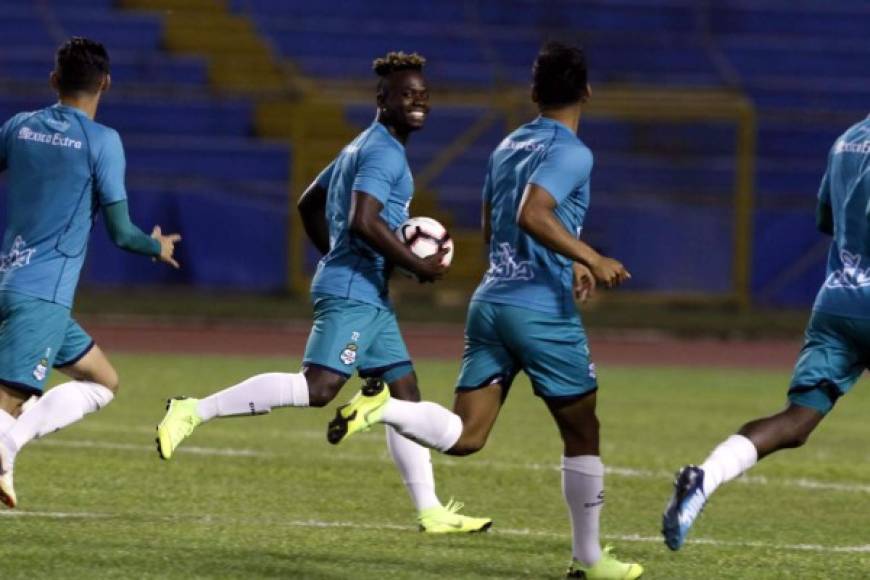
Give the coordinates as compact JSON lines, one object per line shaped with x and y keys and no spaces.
{"x":627,"y":472}
{"x":208,"y":519}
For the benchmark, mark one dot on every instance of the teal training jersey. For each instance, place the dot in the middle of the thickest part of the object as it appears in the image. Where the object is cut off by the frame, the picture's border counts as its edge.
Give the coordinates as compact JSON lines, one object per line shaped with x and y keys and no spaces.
{"x":61,"y":167}
{"x":373,"y":163}
{"x":846,"y":189}
{"x":521,"y":271}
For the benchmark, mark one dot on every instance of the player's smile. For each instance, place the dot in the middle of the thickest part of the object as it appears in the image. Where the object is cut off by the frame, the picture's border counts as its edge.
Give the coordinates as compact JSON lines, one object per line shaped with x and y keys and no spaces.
{"x":417,"y":116}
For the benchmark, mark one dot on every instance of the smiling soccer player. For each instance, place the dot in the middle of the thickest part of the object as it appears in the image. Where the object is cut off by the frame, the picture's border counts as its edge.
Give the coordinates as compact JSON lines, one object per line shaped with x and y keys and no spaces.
{"x":350,"y":213}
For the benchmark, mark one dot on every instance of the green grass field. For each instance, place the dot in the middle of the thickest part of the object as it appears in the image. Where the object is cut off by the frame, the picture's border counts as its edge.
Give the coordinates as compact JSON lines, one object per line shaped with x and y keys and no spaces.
{"x":268,"y":497}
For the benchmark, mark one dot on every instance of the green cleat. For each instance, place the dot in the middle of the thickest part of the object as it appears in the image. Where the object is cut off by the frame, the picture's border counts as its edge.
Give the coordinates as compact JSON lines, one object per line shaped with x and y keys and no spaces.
{"x":179,"y":422}
{"x":607,"y":568}
{"x":360,"y":413}
{"x":446,"y":520}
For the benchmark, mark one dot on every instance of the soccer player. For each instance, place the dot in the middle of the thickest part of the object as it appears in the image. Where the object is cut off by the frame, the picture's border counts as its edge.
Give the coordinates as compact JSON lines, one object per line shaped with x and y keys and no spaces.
{"x":836,"y":345}
{"x":350,"y":213}
{"x":522,"y":316}
{"x":62,"y":169}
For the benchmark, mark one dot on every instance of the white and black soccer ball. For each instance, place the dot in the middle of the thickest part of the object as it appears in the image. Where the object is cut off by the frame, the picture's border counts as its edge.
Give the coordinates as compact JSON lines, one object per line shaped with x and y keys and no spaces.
{"x":426,"y":236}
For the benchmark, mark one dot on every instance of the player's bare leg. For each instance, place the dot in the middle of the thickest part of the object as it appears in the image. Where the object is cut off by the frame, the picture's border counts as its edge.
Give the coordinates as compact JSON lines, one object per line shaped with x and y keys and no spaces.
{"x":257,"y":395}
{"x":583,"y":488}
{"x":693,"y":486}
{"x":415,"y":464}
{"x":11,"y":401}
{"x":478,"y":409}
{"x":787,"y":429}
{"x":410,"y":425}
{"x":94,"y":385}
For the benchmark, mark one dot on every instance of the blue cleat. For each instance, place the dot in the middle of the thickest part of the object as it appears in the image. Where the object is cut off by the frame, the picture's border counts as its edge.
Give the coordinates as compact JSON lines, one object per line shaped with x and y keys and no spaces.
{"x":685,"y":506}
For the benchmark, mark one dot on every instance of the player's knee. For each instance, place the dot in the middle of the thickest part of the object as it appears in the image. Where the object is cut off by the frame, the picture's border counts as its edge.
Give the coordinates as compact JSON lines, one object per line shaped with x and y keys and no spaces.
{"x":321,"y":393}
{"x":109,"y":379}
{"x":467,"y":445}
{"x":796,"y":436}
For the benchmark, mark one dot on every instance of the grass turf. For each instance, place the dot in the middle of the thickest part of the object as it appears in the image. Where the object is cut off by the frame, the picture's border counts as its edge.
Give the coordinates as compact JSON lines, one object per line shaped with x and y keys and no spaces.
{"x":267,"y":497}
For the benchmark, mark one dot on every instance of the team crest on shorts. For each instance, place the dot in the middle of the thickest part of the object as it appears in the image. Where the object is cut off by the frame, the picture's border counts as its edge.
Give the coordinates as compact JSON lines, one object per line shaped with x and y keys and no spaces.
{"x":41,"y":370}
{"x":348,"y":355}
{"x":592,"y":374}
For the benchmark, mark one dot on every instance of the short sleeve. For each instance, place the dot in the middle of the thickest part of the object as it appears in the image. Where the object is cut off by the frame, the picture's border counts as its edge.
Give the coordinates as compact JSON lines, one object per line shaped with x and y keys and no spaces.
{"x":109,"y":168}
{"x":563,"y":170}
{"x":378,"y":171}
{"x":325,"y":176}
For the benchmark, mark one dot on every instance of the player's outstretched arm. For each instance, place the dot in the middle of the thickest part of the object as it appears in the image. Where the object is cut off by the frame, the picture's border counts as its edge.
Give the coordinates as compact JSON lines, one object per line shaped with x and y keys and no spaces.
{"x":312,"y":210}
{"x":127,"y":236}
{"x":367,"y":223}
{"x":538,"y":219}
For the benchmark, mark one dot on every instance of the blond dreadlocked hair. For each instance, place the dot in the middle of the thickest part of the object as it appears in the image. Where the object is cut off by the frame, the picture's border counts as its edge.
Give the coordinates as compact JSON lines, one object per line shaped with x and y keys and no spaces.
{"x":396,"y":61}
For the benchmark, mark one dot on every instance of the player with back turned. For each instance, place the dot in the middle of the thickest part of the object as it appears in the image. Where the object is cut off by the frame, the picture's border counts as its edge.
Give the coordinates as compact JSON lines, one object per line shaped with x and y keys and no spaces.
{"x":522,"y":316}
{"x":836,"y":348}
{"x":350,"y":213}
{"x":62,"y":169}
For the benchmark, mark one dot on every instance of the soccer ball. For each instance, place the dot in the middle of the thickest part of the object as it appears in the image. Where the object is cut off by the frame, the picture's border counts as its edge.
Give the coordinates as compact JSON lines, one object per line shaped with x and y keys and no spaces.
{"x":425,"y":236}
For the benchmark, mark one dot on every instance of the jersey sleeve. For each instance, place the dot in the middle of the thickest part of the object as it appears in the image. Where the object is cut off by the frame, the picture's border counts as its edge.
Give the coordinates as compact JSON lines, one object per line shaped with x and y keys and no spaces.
{"x":325,"y":176}
{"x":109,"y":168}
{"x":563,"y":169}
{"x":380,"y":168}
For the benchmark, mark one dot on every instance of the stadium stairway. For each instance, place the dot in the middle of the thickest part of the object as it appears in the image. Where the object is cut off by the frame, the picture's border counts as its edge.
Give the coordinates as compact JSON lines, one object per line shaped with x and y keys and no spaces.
{"x":239,"y":61}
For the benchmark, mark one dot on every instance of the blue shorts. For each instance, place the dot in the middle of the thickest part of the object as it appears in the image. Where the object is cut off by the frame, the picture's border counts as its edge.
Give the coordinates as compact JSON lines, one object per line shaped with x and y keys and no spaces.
{"x":349,"y":336}
{"x":36,"y":335}
{"x":836,"y":351}
{"x":501,"y":340}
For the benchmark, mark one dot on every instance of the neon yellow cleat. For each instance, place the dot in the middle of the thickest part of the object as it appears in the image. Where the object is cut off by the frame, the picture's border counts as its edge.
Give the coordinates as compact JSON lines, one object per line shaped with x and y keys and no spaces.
{"x":607,"y":568}
{"x":7,"y":489}
{"x":360,"y":413}
{"x":446,"y":520}
{"x":179,"y":422}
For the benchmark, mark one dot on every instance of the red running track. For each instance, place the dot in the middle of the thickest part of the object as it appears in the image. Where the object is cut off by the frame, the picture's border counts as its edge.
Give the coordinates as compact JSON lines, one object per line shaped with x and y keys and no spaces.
{"x":435,"y":341}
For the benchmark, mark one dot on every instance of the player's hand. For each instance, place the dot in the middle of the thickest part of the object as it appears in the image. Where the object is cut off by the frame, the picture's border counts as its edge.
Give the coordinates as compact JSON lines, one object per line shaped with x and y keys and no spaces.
{"x":609,"y":272}
{"x":167,"y":246}
{"x":431,"y":268}
{"x":584,"y":283}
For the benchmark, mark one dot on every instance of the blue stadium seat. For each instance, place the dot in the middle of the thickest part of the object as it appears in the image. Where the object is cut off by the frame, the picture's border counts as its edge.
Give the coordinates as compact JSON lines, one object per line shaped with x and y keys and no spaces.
{"x":216,"y":159}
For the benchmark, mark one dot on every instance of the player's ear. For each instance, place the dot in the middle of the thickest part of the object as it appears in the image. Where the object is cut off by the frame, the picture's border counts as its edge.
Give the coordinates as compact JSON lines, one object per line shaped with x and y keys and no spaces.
{"x":107,"y":83}
{"x":587,"y":93}
{"x":54,"y":81}
{"x":534,"y":95}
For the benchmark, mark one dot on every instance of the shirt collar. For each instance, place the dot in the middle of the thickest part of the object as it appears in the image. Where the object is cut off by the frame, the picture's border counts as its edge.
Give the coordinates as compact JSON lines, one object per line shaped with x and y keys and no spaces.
{"x":68,"y":109}
{"x":549,"y":122}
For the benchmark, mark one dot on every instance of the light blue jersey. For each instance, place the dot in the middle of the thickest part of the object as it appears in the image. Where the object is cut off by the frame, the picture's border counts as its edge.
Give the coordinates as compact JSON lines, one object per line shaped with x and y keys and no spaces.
{"x":373,"y":163}
{"x":523,"y":272}
{"x":846,"y":189}
{"x":61,"y":167}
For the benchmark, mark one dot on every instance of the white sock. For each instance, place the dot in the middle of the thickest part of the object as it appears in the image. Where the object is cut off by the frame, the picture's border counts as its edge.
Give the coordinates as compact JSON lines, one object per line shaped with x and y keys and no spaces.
{"x":732,"y":457}
{"x":6,"y":421}
{"x":256,"y":395}
{"x":583,"y":488}
{"x":63,"y":405}
{"x":415,"y":464}
{"x":427,"y":423}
